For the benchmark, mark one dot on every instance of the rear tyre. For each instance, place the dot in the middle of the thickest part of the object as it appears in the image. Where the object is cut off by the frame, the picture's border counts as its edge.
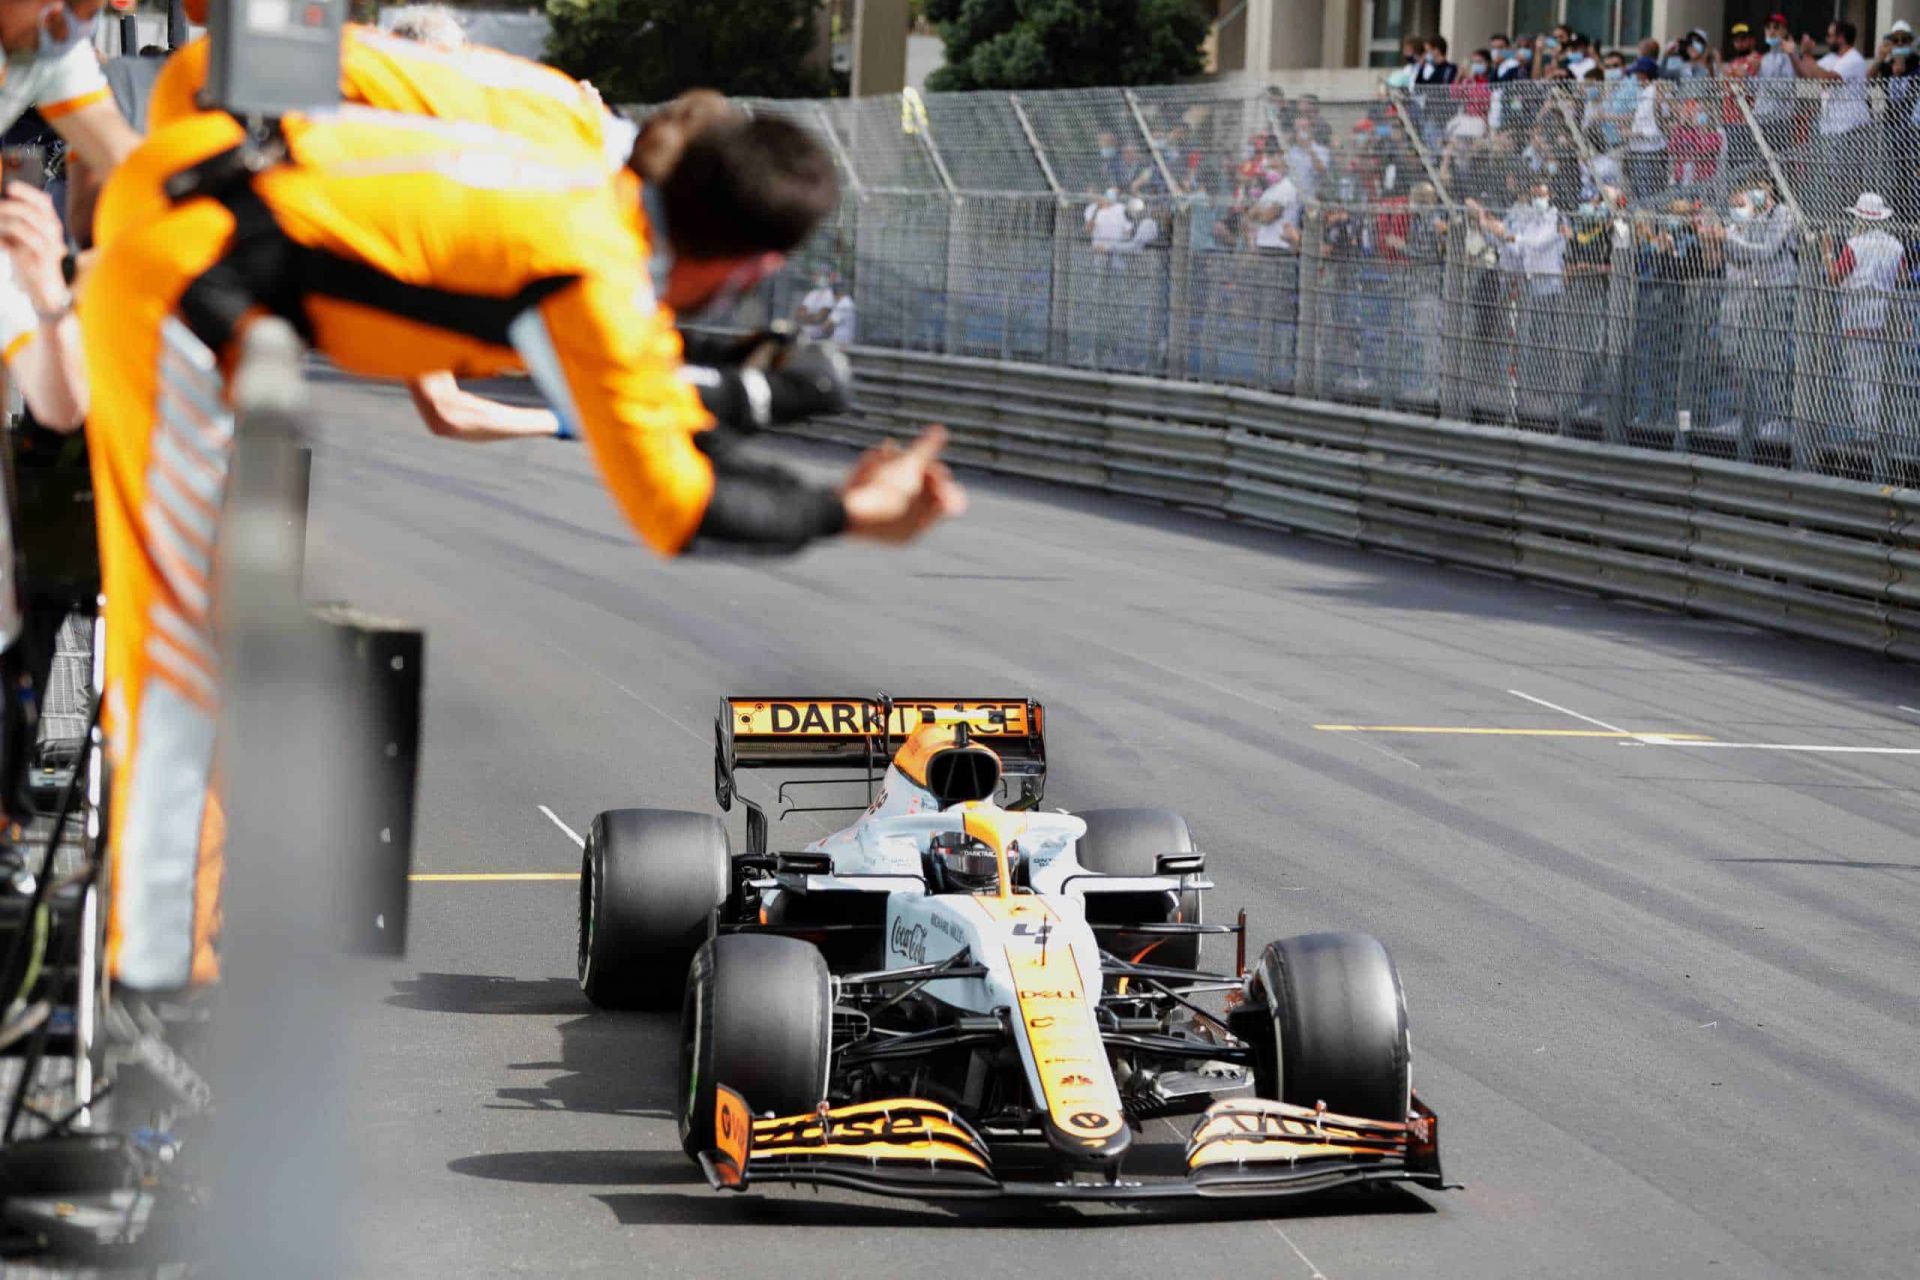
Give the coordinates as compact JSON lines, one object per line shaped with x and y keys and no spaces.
{"x":758,"y":1018}
{"x":650,"y":881}
{"x":1338,"y":1027}
{"x":1125,"y":842}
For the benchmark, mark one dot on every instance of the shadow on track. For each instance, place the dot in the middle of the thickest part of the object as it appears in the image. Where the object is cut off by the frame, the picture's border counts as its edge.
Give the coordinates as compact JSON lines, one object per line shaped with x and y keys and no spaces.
{"x":802,"y":1208}
{"x":485,"y":993}
{"x":1841,"y":863}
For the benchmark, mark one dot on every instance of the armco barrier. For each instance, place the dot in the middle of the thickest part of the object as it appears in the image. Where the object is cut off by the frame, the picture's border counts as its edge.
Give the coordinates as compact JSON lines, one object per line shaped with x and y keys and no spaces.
{"x":1806,"y":554}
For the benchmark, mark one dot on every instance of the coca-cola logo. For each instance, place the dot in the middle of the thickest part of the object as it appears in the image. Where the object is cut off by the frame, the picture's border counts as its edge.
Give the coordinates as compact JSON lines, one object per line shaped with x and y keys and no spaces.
{"x":910,"y":941}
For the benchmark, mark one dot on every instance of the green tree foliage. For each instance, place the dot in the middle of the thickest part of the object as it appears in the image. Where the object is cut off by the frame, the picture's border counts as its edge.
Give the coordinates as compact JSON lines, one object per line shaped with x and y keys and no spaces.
{"x":649,"y":50}
{"x":1065,"y":44}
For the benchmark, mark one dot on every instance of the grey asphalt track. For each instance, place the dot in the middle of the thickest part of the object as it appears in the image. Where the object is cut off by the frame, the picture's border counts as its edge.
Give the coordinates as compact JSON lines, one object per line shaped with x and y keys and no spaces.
{"x":1663,"y":996}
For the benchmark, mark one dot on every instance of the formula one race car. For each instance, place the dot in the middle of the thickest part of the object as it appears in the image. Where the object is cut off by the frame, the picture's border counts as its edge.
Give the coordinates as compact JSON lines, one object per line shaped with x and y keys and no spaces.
{"x":958,"y":997}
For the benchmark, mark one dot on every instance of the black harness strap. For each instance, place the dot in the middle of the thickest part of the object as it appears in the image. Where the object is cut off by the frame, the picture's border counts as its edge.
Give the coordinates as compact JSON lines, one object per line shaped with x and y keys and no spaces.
{"x":264,"y":267}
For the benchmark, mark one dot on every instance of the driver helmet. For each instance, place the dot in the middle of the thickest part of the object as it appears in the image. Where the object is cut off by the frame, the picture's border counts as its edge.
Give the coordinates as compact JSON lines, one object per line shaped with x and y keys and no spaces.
{"x":964,"y":864}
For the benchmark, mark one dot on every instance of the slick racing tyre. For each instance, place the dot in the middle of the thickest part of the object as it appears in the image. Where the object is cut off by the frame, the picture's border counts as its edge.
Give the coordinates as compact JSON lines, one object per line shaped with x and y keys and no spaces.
{"x":650,"y":880}
{"x":1125,"y":842}
{"x":1337,"y":1031}
{"x":758,"y":1018}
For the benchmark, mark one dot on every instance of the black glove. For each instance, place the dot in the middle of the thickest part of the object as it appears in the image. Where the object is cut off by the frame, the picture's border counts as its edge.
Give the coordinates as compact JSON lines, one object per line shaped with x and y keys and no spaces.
{"x":814,"y":378}
{"x":719,"y":349}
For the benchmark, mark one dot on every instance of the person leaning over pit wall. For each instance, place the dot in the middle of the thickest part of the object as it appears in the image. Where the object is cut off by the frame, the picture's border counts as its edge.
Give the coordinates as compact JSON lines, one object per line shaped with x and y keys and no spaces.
{"x":400,"y":246}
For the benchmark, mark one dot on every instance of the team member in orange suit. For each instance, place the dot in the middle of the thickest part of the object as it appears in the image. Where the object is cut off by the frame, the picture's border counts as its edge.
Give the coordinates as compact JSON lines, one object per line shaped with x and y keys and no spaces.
{"x":400,"y":245}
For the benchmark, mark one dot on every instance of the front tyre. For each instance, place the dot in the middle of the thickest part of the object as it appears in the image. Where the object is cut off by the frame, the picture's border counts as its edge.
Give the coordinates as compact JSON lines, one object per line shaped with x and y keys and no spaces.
{"x":650,"y":881}
{"x":758,"y":1018}
{"x":1337,"y":1030}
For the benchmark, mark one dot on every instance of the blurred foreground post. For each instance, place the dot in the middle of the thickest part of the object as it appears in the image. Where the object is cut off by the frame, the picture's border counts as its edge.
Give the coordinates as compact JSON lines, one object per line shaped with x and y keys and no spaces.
{"x":317,"y":741}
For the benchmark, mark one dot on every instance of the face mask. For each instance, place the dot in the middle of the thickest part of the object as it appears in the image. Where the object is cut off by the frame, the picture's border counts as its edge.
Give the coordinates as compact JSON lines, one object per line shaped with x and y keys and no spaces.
{"x":61,"y":32}
{"x":1758,"y":199}
{"x":1773,"y":42}
{"x":1610,"y":73}
{"x":1383,"y":131}
{"x":1479,"y":68}
{"x":1741,"y":213}
{"x":1525,"y":55}
{"x":1551,"y":42}
{"x":1589,"y":208}
{"x":1108,"y":153}
{"x":1428,"y":58}
{"x":1502,"y":55}
{"x":1542,"y":203}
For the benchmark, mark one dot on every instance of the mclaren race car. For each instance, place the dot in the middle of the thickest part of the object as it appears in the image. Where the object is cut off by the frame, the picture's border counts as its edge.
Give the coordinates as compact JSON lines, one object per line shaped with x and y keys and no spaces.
{"x":963,"y":994}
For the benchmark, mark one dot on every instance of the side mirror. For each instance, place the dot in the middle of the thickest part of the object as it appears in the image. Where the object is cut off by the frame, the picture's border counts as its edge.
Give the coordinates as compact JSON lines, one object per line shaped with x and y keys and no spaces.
{"x":1179,"y":864}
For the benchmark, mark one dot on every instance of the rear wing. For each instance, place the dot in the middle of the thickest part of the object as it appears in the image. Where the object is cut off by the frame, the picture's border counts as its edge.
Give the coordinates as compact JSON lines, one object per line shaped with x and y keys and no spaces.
{"x":863,"y":733}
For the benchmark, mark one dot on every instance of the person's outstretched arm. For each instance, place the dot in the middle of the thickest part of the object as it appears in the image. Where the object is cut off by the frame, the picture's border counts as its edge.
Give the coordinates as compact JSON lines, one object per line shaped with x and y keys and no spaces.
{"x":613,"y":373}
{"x":454,"y":413}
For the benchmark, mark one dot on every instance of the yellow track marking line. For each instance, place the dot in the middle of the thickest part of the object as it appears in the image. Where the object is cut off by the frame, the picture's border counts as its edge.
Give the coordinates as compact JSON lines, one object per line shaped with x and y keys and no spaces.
{"x":1616,"y":734}
{"x":461,"y":877}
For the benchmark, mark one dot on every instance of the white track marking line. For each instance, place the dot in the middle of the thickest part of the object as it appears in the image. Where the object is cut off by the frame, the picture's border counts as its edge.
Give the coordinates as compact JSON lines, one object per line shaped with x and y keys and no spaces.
{"x":1909,"y":710}
{"x":1568,"y":711}
{"x":1315,"y":1272}
{"x":1390,"y":754}
{"x":555,"y":819}
{"x":1782,"y":746}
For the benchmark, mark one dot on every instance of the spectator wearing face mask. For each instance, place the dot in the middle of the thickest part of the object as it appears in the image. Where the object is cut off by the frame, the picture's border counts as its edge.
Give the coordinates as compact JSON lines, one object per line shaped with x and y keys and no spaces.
{"x":1866,"y":270}
{"x":1647,"y":170}
{"x":1771,"y":84}
{"x":1276,"y":214}
{"x":1742,"y":64}
{"x":1402,"y":76}
{"x":1112,"y":167}
{"x":1307,"y":160}
{"x":1506,"y":69}
{"x":1690,"y":58}
{"x":1473,"y":98}
{"x":1433,"y":106}
{"x":1899,"y":36}
{"x":1533,"y":237}
{"x":1843,"y":127}
{"x":1756,"y":314}
{"x":1580,"y":59}
{"x":1694,"y":144}
{"x":1106,"y":221}
{"x":1143,"y":228}
{"x":1669,"y":262}
{"x":816,"y":307}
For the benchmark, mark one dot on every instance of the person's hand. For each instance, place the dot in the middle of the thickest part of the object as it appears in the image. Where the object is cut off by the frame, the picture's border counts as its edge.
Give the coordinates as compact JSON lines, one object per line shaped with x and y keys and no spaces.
{"x":814,"y":378}
{"x":1806,"y":46}
{"x":31,"y":234}
{"x":894,"y":495}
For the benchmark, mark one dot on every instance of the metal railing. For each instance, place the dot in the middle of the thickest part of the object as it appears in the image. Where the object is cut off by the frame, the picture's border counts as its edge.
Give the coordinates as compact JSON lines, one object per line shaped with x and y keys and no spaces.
{"x":1694,"y":283}
{"x":1811,"y":555}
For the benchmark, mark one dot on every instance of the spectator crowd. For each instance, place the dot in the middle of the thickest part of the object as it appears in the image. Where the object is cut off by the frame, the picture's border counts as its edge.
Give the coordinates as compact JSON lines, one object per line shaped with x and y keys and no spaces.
{"x":1692,"y":206}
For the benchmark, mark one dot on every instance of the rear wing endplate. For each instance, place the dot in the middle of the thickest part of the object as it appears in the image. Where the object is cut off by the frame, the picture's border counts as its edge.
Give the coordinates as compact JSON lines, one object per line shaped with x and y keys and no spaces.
{"x":759,"y":732}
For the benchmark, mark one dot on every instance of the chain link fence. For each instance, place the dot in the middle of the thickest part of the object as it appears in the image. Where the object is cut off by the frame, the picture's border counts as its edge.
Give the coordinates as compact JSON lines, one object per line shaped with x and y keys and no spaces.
{"x":1720,"y":267}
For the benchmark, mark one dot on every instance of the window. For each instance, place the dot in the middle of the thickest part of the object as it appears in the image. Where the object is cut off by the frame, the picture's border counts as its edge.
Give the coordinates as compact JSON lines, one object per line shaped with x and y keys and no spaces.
{"x":1611,"y":23}
{"x":1386,"y":19}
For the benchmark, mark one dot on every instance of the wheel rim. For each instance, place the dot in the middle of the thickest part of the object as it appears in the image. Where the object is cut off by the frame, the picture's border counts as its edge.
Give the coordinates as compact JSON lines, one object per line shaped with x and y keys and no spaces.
{"x":589,"y":908}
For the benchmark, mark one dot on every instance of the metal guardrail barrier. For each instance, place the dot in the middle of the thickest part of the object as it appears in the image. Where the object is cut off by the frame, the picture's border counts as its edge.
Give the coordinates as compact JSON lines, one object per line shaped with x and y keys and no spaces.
{"x":1806,"y":554}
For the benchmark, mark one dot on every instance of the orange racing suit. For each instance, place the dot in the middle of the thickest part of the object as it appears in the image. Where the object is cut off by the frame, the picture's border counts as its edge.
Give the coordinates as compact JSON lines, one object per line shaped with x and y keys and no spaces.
{"x":398,"y":245}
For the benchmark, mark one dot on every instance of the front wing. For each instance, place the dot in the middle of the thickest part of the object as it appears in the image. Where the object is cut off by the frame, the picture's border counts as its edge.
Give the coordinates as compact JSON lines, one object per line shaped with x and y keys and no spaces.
{"x":912,"y":1147}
